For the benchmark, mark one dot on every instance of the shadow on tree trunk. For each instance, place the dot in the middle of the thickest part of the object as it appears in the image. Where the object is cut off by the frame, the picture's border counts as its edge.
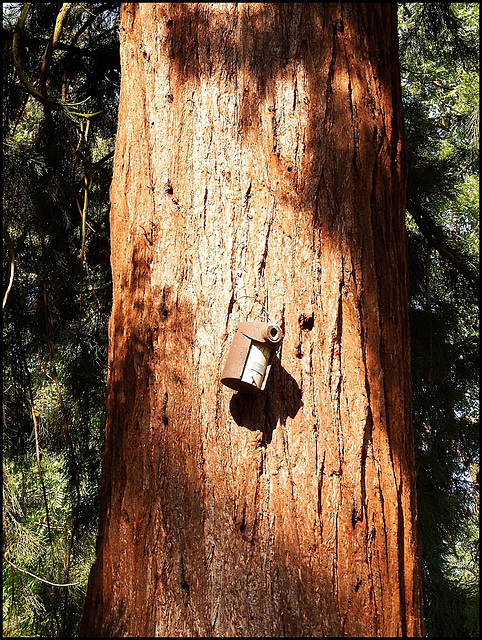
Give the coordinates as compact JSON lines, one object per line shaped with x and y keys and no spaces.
{"x":281,"y":398}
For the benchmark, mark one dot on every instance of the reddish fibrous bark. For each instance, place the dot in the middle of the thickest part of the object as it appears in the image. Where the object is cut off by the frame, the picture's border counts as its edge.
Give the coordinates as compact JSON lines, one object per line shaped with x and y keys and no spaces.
{"x":259,"y":158}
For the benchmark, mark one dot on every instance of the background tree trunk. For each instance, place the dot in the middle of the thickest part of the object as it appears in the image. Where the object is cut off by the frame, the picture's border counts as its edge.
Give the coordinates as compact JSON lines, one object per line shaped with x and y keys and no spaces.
{"x":259,"y":156}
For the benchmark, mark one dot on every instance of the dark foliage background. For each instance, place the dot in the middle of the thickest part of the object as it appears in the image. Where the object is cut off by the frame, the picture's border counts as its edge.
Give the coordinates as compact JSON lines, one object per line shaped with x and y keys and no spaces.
{"x":57,"y":165}
{"x":439,"y":46}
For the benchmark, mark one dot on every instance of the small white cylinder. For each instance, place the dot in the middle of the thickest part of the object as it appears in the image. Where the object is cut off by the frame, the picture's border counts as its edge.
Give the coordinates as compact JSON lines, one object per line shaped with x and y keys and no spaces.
{"x":256,"y":364}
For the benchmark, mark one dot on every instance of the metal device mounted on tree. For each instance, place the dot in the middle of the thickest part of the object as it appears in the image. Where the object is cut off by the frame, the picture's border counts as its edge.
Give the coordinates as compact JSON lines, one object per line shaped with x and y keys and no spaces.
{"x":249,"y":358}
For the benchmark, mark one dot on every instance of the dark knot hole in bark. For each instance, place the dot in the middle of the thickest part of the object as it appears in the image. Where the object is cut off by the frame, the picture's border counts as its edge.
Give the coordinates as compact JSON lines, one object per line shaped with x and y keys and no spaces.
{"x":306,"y":322}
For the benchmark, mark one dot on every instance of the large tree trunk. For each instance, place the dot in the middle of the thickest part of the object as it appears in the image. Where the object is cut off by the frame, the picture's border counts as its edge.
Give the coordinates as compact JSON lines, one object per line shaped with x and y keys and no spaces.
{"x":259,"y":158}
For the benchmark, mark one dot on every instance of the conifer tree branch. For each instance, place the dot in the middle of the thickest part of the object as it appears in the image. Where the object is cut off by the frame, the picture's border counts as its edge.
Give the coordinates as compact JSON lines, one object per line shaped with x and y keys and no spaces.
{"x":11,"y":255}
{"x":51,"y":46}
{"x":18,"y":65}
{"x":419,"y":218}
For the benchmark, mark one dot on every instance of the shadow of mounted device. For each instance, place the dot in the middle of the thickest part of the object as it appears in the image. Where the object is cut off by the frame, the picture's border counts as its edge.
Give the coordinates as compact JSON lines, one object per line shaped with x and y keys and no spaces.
{"x":261,"y":411}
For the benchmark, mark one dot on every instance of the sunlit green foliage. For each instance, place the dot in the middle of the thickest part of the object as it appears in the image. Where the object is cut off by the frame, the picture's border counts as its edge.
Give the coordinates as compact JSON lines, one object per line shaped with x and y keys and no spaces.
{"x":32,"y":607}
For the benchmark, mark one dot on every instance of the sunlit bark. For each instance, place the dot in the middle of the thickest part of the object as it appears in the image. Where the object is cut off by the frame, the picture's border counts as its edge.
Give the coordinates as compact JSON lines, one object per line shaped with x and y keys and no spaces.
{"x":259,"y":157}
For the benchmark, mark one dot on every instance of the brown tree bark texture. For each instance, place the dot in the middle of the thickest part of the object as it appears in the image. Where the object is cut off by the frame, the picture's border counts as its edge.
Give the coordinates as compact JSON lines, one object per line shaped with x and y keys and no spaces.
{"x":259,"y":153}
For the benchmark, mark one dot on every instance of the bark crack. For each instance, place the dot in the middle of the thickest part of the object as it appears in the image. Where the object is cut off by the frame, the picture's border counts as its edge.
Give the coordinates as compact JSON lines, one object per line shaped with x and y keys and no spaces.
{"x":183,"y":582}
{"x":335,"y":369}
{"x":262,"y":263}
{"x":205,"y":208}
{"x":320,"y":492}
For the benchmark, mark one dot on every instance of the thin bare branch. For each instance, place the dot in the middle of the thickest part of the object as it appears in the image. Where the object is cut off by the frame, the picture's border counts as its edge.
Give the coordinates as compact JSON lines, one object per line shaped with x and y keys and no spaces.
{"x":32,"y":575}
